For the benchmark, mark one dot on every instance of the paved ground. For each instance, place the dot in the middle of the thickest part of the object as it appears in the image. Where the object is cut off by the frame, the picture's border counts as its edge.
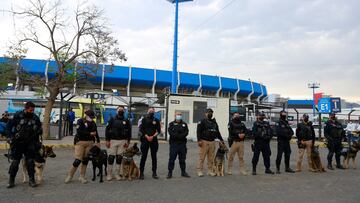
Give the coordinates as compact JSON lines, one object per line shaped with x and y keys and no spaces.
{"x":332,"y":186}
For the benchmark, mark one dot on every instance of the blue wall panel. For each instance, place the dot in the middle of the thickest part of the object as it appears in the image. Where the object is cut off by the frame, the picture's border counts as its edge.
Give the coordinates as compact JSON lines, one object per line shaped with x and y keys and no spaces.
{"x":245,"y":87}
{"x":189,"y":80}
{"x":257,"y":89}
{"x":142,"y":76}
{"x":229,"y":85}
{"x":116,"y":75}
{"x":163,"y":78}
{"x":209,"y":82}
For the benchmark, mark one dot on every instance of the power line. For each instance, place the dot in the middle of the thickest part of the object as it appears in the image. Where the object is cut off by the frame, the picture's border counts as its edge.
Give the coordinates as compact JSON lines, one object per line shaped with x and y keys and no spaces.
{"x":208,"y":19}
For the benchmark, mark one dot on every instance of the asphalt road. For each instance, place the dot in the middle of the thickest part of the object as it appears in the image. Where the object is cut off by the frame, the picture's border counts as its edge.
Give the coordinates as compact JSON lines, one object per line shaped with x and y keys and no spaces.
{"x":332,"y":186}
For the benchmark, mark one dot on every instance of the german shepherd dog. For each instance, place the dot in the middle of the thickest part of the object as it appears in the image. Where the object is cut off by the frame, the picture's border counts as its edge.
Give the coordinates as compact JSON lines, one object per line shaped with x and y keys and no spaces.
{"x":219,"y":159}
{"x":129,"y":169}
{"x":315,"y":160}
{"x":98,"y":158}
{"x":40,"y":160}
{"x":350,"y":153}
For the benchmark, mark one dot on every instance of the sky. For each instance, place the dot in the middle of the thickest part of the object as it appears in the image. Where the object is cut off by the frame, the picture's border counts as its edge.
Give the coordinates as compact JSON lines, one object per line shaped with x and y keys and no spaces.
{"x":283,"y":44}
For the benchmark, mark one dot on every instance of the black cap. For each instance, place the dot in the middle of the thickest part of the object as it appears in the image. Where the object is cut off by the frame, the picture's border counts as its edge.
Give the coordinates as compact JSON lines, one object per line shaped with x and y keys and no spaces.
{"x":260,"y":113}
{"x":305,"y":115}
{"x":283,"y":111}
{"x":209,"y":110}
{"x":90,"y":113}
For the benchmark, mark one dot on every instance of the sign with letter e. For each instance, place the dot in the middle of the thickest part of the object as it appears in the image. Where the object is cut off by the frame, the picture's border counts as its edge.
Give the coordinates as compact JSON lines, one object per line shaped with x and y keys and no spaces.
{"x":324,"y":105}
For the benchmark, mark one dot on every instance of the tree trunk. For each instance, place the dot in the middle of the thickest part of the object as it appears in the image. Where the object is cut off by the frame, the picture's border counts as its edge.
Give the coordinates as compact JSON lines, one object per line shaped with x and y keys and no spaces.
{"x":48,"y":108}
{"x":46,"y":124}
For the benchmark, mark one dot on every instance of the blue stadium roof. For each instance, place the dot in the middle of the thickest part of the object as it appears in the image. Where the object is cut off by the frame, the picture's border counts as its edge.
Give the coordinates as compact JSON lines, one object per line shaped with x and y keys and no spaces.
{"x":300,"y":102}
{"x":119,"y":75}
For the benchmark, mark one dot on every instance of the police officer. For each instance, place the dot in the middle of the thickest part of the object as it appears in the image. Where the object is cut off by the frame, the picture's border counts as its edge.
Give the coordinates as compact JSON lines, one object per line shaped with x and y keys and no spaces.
{"x":3,"y":122}
{"x":306,"y":138}
{"x":284,"y":134}
{"x":262,"y":134}
{"x":149,"y":130}
{"x":237,"y":131}
{"x":334,"y":134}
{"x":117,"y":135}
{"x":207,"y":132}
{"x":178,"y":131}
{"x":24,"y":132}
{"x":86,"y":136}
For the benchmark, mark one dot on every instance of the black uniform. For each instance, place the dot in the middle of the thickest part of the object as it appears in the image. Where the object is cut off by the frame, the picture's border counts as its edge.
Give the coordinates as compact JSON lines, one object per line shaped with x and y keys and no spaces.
{"x":149,"y":126}
{"x":262,"y":134}
{"x":84,"y":129}
{"x":284,"y":134}
{"x":24,"y":131}
{"x":178,"y":132}
{"x":305,"y":132}
{"x":208,"y":129}
{"x":235,"y":128}
{"x":118,"y":128}
{"x":334,"y":134}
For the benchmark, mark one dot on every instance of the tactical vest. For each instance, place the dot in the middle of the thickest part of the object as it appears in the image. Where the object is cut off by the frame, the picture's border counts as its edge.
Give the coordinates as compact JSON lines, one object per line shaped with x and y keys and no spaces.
{"x":210,"y":129}
{"x":305,"y":131}
{"x":119,"y":129}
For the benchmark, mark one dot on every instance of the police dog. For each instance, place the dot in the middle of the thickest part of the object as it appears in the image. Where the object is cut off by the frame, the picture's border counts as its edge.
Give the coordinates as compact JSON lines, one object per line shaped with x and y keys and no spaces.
{"x":350,"y":153}
{"x":315,"y":160}
{"x":40,"y":160}
{"x":129,"y":169}
{"x":98,"y":158}
{"x":219,"y":159}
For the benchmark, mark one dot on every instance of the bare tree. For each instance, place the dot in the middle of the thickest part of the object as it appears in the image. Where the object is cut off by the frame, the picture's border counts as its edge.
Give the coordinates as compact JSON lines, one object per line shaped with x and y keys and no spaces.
{"x":69,"y":39}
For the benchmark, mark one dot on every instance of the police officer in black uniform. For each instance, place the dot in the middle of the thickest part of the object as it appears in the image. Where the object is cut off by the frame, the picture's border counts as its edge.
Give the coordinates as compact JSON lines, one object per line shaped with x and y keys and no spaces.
{"x":149,"y":129}
{"x":284,"y":134}
{"x":118,"y":136}
{"x":262,"y":133}
{"x":178,"y":131}
{"x":334,"y":134}
{"x":24,"y":132}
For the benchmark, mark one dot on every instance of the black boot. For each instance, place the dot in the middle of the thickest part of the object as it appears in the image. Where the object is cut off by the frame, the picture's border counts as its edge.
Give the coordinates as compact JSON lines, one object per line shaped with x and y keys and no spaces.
{"x":184,"y":174}
{"x":254,"y":170}
{"x":155,"y":176}
{"x":330,"y":167}
{"x":169,"y":175}
{"x":11,"y":182}
{"x":339,"y":166}
{"x":32,"y":182}
{"x":268,"y":171}
{"x":278,"y":171}
{"x":289,"y":170}
{"x":141,"y":176}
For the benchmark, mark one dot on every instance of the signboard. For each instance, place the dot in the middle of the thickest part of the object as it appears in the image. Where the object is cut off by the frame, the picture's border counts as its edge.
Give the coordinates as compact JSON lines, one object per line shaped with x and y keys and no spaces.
{"x":324,"y":105}
{"x":329,"y":105}
{"x":335,"y":105}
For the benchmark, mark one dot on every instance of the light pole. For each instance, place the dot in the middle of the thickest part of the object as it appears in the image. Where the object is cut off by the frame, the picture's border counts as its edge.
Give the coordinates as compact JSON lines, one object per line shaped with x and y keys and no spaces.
{"x":175,"y":55}
{"x":314,"y":86}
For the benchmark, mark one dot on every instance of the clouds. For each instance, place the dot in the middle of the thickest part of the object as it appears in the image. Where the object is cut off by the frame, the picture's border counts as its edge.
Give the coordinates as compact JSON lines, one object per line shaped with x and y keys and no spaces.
{"x":284,"y":44}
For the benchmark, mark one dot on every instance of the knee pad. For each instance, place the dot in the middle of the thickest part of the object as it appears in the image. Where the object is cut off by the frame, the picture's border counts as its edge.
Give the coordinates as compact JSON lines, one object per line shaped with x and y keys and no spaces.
{"x":76,"y":163}
{"x":118,"y":159}
{"x":111,"y":159}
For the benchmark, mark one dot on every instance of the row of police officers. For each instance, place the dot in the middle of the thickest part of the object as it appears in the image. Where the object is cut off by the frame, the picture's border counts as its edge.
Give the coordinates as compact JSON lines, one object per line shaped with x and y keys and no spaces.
{"x":24,"y":133}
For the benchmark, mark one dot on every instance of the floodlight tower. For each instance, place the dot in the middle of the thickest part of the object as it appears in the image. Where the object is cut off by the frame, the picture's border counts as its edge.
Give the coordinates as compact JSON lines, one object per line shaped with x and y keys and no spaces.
{"x":174,"y":81}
